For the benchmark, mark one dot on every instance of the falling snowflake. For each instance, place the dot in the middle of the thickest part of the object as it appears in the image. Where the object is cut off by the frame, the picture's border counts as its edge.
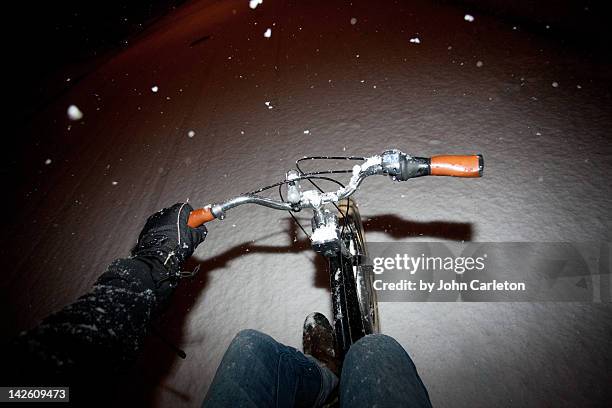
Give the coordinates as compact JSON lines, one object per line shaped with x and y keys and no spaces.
{"x":74,"y":113}
{"x":267,"y":103}
{"x":555,"y":84}
{"x":254,"y":3}
{"x":469,"y":18}
{"x":307,"y":132}
{"x":353,"y":21}
{"x":268,"y":33}
{"x":479,"y":64}
{"x":415,"y":40}
{"x":154,"y":88}
{"x":191,"y":133}
{"x":114,"y":183}
{"x":48,"y":162}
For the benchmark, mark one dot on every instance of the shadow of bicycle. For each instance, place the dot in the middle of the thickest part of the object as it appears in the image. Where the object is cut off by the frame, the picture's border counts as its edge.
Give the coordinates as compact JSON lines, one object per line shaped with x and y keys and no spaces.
{"x":158,"y":357}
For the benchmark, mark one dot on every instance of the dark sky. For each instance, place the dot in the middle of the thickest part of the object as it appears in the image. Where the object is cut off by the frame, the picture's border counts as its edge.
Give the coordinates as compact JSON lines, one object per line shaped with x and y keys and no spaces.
{"x":56,"y":32}
{"x":47,"y":36}
{"x":49,"y":39}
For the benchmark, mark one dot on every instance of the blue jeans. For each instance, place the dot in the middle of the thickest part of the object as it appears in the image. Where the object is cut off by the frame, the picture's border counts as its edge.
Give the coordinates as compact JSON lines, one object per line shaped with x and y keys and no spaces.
{"x":258,"y":371}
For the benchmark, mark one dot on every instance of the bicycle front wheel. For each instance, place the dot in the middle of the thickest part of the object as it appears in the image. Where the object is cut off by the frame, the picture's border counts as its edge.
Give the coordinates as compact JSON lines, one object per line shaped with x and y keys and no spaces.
{"x":353,"y":297}
{"x":354,"y":237}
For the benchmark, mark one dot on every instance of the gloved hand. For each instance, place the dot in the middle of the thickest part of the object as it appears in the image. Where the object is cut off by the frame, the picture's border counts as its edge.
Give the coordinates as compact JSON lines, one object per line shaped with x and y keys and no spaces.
{"x":166,"y":237}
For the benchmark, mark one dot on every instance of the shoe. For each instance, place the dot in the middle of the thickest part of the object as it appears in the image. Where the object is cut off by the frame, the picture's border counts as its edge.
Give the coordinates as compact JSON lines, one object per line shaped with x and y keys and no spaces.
{"x":319,"y":341}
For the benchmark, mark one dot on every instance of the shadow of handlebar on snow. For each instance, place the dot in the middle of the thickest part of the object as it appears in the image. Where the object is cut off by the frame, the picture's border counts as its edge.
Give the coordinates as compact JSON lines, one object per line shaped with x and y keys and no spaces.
{"x":398,"y":227}
{"x":390,"y":224}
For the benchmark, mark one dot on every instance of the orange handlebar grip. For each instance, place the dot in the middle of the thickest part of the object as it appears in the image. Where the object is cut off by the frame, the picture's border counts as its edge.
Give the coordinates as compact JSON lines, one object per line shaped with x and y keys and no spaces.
{"x":457,"y":166}
{"x":200,"y":216}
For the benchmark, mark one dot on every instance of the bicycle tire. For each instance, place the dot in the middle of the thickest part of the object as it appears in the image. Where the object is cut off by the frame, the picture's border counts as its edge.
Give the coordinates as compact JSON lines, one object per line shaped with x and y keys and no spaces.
{"x":355,"y":310}
{"x":363,"y":275}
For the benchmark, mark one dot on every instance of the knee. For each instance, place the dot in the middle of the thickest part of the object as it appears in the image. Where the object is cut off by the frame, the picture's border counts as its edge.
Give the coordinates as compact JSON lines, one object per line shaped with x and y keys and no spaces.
{"x":374,"y":342}
{"x":251,"y":344}
{"x":250,"y":351}
{"x":375,"y":346}
{"x":249,"y":336}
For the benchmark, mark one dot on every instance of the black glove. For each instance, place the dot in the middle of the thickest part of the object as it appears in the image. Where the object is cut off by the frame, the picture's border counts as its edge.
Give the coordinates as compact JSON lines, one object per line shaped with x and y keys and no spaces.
{"x":168,"y":239}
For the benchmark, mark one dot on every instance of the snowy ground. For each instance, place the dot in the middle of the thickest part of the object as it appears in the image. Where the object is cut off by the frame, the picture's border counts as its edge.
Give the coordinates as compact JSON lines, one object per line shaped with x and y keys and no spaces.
{"x":539,"y":113}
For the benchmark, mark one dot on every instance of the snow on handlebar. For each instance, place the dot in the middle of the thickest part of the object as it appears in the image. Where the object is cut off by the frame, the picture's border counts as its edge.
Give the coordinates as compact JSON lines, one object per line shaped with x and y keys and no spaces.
{"x":394,"y":163}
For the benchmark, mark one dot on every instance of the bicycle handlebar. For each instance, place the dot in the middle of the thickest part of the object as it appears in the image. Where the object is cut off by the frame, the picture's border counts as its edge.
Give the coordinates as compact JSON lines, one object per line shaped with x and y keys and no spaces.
{"x":394,"y":163}
{"x":200,"y":216}
{"x":457,"y":166}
